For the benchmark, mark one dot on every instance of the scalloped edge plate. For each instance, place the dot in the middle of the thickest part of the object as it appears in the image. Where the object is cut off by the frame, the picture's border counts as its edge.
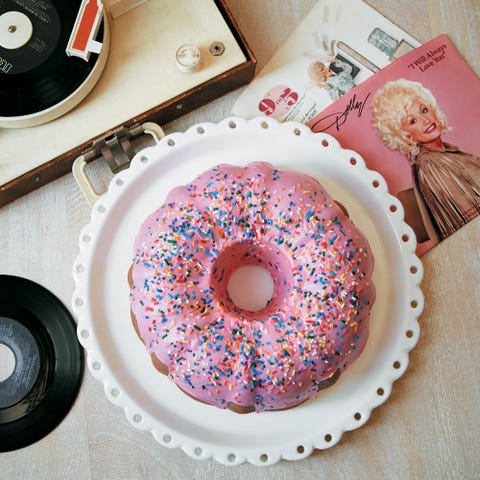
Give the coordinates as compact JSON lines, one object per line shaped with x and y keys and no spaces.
{"x":118,"y":359}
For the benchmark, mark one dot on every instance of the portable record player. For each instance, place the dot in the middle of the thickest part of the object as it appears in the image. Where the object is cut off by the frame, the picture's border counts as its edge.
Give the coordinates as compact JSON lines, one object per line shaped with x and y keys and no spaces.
{"x":89,"y":72}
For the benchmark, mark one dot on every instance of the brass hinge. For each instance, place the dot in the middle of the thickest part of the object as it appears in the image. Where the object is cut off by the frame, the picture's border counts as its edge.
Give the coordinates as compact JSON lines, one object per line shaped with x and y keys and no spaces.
{"x":115,"y":148}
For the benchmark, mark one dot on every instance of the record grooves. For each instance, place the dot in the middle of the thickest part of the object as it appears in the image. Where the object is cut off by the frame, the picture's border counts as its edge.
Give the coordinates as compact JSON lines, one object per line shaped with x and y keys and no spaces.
{"x":36,"y":74}
{"x":48,"y":369}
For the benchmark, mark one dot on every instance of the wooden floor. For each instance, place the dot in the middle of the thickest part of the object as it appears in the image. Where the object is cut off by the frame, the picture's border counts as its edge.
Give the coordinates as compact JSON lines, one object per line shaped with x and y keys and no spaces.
{"x":430,"y":426}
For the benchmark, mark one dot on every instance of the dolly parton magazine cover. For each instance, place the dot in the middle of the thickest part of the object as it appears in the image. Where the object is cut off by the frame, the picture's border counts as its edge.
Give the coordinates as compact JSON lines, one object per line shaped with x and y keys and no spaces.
{"x":417,"y":123}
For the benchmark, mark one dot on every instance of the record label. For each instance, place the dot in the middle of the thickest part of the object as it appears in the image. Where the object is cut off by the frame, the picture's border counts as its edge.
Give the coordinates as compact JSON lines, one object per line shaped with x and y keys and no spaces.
{"x":29,"y":32}
{"x":18,"y":340}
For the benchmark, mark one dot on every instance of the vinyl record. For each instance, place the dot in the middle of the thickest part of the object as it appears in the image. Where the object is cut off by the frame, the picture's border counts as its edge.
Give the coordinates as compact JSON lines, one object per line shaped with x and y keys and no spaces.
{"x":43,"y":362}
{"x":36,"y":74}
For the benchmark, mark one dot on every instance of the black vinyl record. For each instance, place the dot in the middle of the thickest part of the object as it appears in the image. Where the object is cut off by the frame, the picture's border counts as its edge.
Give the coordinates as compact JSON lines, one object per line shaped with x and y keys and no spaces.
{"x":39,"y":333}
{"x":37,"y":74}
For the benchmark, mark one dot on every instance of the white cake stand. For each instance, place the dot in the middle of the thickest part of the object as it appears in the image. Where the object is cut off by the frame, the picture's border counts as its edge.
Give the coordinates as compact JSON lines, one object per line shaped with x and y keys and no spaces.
{"x":117,"y":358}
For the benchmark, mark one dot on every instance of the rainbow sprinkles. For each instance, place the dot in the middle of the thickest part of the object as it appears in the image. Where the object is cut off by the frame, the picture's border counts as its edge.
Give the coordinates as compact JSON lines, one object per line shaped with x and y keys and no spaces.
{"x":314,"y":327}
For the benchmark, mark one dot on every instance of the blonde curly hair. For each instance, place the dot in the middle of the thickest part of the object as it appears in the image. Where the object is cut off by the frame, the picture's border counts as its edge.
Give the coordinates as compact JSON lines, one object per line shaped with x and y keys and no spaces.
{"x":388,"y":108}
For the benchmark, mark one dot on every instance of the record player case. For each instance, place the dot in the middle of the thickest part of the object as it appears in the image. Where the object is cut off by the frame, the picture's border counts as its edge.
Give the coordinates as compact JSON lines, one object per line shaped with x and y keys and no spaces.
{"x":31,"y":157}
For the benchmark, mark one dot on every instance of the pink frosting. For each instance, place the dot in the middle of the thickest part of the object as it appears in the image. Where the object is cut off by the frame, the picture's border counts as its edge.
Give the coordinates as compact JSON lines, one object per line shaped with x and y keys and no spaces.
{"x":316,"y":323}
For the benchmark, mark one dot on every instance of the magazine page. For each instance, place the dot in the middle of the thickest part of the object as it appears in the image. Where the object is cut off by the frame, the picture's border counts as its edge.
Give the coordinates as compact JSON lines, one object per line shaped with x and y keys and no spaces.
{"x":416,"y":122}
{"x":339,"y":44}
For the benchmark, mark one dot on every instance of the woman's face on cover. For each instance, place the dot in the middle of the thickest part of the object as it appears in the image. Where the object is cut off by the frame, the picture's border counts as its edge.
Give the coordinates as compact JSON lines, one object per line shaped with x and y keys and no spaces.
{"x":420,"y":122}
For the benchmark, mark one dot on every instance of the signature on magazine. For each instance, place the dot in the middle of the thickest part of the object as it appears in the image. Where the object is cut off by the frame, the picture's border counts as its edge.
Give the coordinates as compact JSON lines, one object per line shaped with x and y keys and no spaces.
{"x":337,"y":119}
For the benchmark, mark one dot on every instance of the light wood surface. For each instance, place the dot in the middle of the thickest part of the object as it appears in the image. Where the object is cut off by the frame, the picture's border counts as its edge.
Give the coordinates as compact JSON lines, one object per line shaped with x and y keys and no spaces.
{"x":428,"y":428}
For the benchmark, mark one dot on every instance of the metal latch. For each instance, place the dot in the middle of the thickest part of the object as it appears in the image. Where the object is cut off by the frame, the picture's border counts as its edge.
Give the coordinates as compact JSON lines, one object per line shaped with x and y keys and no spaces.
{"x":116,"y":149}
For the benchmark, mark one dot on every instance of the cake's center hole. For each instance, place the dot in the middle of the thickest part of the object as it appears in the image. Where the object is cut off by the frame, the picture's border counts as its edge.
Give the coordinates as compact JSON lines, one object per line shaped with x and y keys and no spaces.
{"x":7,"y":362}
{"x":250,"y":287}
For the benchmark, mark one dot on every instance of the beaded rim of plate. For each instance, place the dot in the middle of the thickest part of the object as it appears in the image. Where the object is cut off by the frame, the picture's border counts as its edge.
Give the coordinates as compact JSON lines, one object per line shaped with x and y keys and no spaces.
{"x":202,"y":449}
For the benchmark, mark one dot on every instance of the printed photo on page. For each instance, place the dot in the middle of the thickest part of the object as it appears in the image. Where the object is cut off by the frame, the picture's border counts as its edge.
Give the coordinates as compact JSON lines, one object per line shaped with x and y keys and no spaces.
{"x":339,"y":44}
{"x":417,"y":122}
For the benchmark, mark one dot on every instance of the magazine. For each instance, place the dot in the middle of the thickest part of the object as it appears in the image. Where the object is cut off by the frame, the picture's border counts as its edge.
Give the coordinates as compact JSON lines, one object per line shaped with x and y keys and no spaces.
{"x":416,"y":123}
{"x":339,"y":44}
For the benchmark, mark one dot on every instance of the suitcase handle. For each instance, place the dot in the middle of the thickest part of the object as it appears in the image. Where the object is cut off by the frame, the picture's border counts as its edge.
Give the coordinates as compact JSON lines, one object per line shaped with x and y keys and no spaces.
{"x":116,"y":149}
